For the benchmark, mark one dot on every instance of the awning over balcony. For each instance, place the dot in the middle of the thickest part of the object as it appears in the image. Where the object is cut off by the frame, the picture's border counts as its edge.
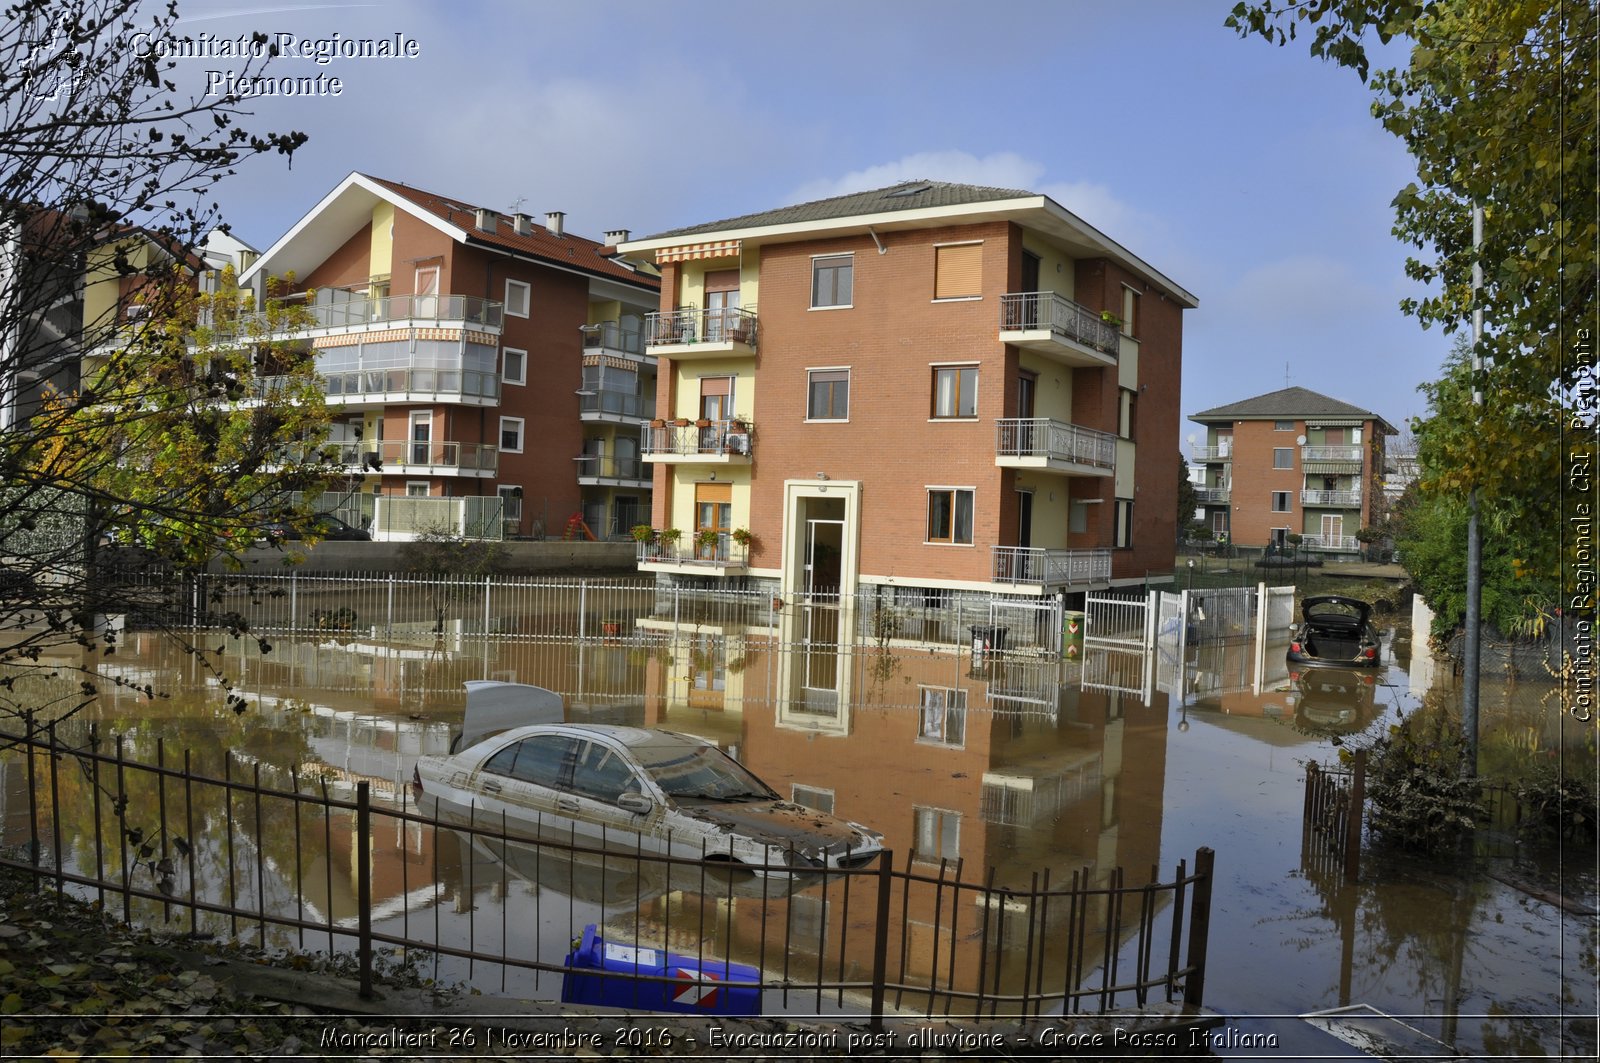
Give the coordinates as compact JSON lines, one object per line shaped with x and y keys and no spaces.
{"x":690,"y":252}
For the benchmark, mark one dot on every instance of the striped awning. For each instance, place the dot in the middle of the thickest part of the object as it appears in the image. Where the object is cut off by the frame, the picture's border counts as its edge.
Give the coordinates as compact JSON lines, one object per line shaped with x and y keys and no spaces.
{"x":689,"y":252}
{"x":1328,"y":466}
{"x":610,"y":361}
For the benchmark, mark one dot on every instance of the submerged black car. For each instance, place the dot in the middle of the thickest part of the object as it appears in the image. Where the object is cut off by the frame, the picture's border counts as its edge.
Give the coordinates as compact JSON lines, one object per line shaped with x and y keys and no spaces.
{"x":1336,"y":630}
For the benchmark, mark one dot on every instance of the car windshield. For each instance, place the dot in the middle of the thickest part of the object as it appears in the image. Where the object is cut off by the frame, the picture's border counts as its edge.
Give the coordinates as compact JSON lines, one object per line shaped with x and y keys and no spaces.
{"x":689,"y":769}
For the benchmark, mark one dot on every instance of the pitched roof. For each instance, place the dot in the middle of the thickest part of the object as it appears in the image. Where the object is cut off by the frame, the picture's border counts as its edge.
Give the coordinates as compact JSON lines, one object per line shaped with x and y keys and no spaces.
{"x":1289,"y":403}
{"x":567,"y":250}
{"x":907,"y":195}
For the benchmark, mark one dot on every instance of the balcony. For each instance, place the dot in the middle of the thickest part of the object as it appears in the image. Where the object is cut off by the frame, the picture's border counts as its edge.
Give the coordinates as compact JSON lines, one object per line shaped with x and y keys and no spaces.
{"x":612,"y":405}
{"x":1212,"y":496}
{"x":438,"y":458}
{"x":369,"y":315}
{"x":410,"y":383}
{"x":726,"y":558}
{"x":1343,"y":453}
{"x":1331,"y":499}
{"x":1058,"y":328}
{"x":1331,"y":543}
{"x":691,"y":333}
{"x":1054,"y":446}
{"x":609,"y":337}
{"x":1036,"y":567}
{"x":1224,"y":452}
{"x":699,"y":443}
{"x":608,"y":470}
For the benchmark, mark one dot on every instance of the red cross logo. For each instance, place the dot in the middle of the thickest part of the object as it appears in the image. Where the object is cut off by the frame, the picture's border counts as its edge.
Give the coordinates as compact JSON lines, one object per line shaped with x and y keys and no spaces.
{"x":704,"y":996}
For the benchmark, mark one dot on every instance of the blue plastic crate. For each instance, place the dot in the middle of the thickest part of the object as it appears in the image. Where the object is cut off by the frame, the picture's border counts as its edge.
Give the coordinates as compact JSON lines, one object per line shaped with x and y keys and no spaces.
{"x":603,"y":974}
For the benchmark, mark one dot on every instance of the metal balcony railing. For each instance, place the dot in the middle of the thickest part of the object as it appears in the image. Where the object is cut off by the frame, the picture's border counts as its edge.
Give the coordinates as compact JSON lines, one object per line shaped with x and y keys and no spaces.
{"x":724,"y":553}
{"x":1028,"y":564}
{"x":1211,"y":496}
{"x":400,"y":454}
{"x":612,"y":467}
{"x":617,"y":403}
{"x":1330,"y":498}
{"x":611,"y":336}
{"x":690,"y":325}
{"x":1044,"y":437}
{"x":1223,"y":452}
{"x":1032,"y":311}
{"x":1341,"y":452}
{"x":1329,"y":542}
{"x":694,"y":438}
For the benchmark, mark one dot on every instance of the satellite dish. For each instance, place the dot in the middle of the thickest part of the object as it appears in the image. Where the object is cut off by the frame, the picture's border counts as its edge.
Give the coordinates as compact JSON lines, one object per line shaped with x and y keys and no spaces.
{"x":1191,"y":439}
{"x":1300,"y":440}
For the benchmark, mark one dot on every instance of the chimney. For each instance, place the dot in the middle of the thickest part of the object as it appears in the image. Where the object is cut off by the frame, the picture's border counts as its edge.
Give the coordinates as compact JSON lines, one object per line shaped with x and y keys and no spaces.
{"x":522,"y":224}
{"x":553,"y":221}
{"x":616,"y":236}
{"x":487,"y":219}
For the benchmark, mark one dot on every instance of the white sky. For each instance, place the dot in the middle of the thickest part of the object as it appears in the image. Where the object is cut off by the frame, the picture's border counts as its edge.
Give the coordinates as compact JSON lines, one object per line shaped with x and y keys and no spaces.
{"x":1253,"y":176}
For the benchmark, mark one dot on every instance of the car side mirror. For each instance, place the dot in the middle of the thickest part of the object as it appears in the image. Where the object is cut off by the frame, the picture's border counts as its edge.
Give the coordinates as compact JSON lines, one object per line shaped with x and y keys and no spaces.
{"x":636,"y":803}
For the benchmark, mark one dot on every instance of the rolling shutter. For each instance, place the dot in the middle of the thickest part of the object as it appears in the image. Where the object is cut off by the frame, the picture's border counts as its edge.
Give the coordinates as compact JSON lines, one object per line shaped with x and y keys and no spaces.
{"x":958,"y":271}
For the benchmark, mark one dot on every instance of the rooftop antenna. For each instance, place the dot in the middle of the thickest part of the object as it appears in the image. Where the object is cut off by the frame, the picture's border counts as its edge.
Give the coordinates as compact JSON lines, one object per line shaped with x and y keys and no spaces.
{"x":1285,"y":374}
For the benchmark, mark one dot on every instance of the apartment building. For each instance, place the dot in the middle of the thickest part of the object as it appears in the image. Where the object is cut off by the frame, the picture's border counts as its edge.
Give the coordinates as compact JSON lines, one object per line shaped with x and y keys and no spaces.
{"x":1292,"y":462}
{"x":469,"y":353}
{"x":931,"y":387}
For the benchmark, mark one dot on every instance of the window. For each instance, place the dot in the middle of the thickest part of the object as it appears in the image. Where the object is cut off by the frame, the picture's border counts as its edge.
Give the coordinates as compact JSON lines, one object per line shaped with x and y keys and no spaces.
{"x":1123,"y":532}
{"x":1125,"y":413}
{"x":1130,"y":311}
{"x":517,"y":298}
{"x":417,"y":488}
{"x":1283,"y":457}
{"x":832,"y":280}
{"x":938,"y":834}
{"x":944,"y":716}
{"x":601,"y":773}
{"x":1280,"y":501}
{"x":514,"y":366}
{"x":511,"y":435}
{"x":955,"y":391}
{"x":950,"y":515}
{"x":827,"y":394}
{"x":541,"y":760}
{"x":510,"y":507}
{"x":958,"y":271}
{"x":1283,"y":426}
{"x":813,"y":797}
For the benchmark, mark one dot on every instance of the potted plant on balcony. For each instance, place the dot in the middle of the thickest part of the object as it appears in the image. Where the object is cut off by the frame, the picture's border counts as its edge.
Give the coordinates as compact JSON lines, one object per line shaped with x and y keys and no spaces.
{"x":668,"y":538}
{"x":743,"y":537}
{"x":706,"y":539}
{"x":610,"y":627}
{"x":1111,"y":319}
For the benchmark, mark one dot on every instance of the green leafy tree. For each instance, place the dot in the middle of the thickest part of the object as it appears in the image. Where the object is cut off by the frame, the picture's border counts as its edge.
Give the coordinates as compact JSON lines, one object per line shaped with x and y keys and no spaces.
{"x":154,"y":417}
{"x":1496,"y":105}
{"x":1188,"y":501}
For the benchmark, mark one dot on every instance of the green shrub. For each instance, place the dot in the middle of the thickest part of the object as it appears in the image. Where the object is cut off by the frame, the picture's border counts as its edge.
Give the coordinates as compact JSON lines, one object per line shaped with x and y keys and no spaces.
{"x":1419,"y":798}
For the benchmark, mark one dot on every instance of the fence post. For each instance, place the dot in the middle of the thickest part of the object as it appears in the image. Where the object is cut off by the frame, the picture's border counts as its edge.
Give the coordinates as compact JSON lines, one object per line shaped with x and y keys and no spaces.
{"x":487,"y":586}
{"x":390,"y":628}
{"x":880,"y":941}
{"x":294,"y":601}
{"x":1354,"y":815}
{"x":364,"y":887}
{"x":583,"y":607}
{"x":1199,"y":927}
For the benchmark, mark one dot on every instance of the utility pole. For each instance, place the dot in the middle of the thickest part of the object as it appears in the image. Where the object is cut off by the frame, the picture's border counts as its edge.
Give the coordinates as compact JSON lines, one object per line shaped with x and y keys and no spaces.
{"x":1473,"y":648}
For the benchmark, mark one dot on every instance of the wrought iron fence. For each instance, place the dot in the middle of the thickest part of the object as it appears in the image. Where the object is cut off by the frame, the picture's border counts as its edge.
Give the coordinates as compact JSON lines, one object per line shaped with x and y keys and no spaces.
{"x":289,"y":861}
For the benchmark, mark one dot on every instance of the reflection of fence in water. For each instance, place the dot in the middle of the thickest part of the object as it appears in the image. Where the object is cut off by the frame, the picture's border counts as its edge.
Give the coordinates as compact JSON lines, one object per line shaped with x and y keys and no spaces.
{"x":288,"y":867}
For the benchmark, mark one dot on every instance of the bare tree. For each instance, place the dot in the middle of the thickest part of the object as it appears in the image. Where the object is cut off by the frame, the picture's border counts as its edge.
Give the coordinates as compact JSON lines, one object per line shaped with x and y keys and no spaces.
{"x":142,"y":419}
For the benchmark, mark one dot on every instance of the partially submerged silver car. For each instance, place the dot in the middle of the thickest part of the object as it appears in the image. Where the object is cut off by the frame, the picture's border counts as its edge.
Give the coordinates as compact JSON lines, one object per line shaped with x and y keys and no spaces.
{"x":626,"y":788}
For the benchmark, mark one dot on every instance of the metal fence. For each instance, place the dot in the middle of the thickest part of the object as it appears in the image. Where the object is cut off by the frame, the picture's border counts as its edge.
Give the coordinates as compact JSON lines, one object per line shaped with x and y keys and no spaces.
{"x":401,"y":607}
{"x":290,"y":862}
{"x":1331,"y":818}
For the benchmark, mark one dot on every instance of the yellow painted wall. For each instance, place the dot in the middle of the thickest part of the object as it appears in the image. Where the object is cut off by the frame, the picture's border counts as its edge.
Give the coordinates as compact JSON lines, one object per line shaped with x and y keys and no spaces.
{"x":1052,"y":396}
{"x":1057,"y":272}
{"x":681,"y":513}
{"x":600,"y":313}
{"x":686,"y":394}
{"x":692,"y":288}
{"x":102,"y":283}
{"x":1049,"y":508}
{"x":1125,"y":478}
{"x":382,"y":254}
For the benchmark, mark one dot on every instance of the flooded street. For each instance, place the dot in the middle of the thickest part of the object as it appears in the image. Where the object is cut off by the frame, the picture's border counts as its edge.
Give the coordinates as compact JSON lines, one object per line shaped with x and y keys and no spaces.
{"x":1013,"y":765}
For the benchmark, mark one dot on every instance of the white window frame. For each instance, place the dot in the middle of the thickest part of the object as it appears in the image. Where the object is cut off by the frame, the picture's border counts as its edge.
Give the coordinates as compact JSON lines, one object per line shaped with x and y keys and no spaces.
{"x":845,"y":369}
{"x":507,"y":378}
{"x":522,"y":439}
{"x":933,"y":719}
{"x":817,"y":260}
{"x":419,"y":488}
{"x":819,"y":793}
{"x":954,"y":492}
{"x":943,"y":815}
{"x":1282,"y":426}
{"x":1122,"y":526}
{"x":1282,"y":450}
{"x":527,"y":298}
{"x":1287,"y":501}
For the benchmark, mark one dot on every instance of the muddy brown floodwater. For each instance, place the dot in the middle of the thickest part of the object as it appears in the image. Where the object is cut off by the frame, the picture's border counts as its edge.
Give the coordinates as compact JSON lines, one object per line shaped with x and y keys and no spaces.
{"x":1015,"y":764}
